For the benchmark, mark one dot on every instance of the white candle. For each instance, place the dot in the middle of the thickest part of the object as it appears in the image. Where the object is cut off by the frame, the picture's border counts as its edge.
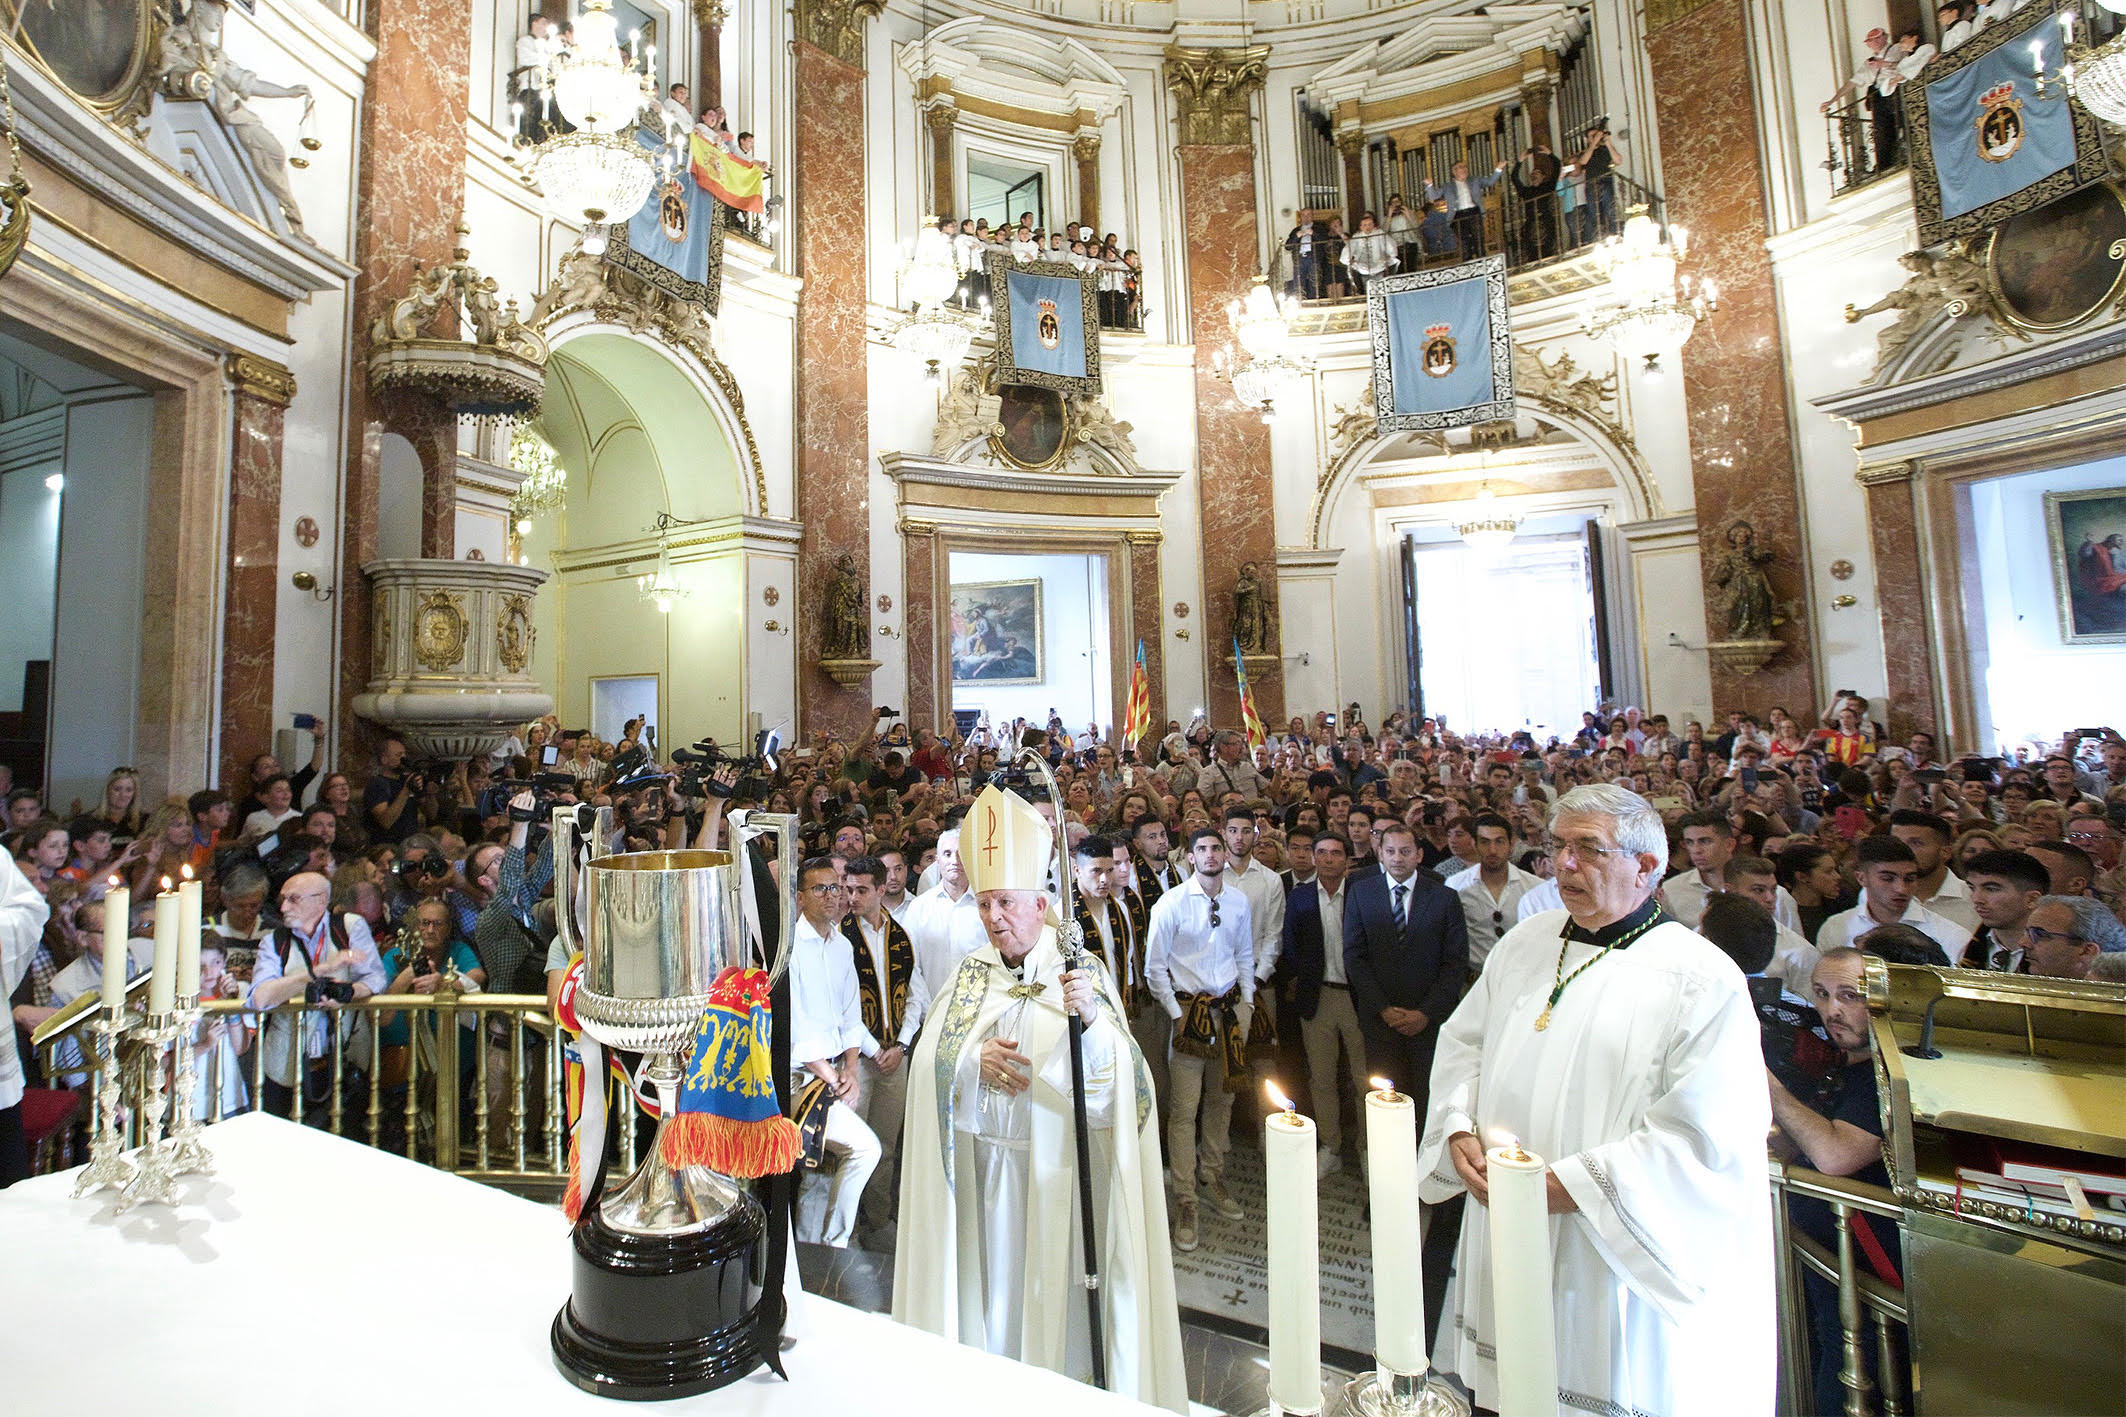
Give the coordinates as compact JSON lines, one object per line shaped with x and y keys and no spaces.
{"x":117,"y":906}
{"x":1398,"y":1267}
{"x":188,"y":904}
{"x":1522,"y":1323}
{"x":162,"y":986}
{"x":1295,"y":1259}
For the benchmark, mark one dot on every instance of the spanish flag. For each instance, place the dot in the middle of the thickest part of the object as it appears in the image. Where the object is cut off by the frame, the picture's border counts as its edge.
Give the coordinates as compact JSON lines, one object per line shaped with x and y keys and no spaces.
{"x":1138,"y":718}
{"x":731,"y":180}
{"x":1249,"y":719}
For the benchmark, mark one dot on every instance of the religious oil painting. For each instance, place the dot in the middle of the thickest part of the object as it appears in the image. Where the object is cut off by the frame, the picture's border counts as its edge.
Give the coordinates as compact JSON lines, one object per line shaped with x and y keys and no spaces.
{"x":94,"y":47}
{"x":996,"y":633}
{"x":2087,"y":531}
{"x":2061,"y":264}
{"x":1031,"y":423}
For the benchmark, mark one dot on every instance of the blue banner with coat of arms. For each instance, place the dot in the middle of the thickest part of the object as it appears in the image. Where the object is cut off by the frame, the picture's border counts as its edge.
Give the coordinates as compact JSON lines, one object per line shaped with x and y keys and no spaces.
{"x":1987,"y":140}
{"x":1442,"y":349}
{"x":674,"y":241}
{"x":1048,"y":324}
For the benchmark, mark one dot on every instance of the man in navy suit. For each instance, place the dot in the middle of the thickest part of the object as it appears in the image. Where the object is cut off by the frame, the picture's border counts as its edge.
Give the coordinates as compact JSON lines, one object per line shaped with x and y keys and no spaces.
{"x":1406,"y":953}
{"x":1317,"y":992}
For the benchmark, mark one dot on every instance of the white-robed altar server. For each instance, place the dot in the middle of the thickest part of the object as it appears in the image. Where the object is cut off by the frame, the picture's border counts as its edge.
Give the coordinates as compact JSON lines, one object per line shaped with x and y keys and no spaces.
{"x":989,"y":1248}
{"x":1621,"y":1046}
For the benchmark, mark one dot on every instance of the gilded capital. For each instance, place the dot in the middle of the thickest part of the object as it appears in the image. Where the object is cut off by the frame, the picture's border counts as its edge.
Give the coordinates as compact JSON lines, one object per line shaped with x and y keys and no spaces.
{"x":1212,"y":89}
{"x":1350,"y":142}
{"x":837,"y":26}
{"x":711,"y":12}
{"x":940,"y":117}
{"x":1535,"y":93}
{"x":1660,"y":14}
{"x":261,"y":379}
{"x":1885,"y":474}
{"x":1085,"y":147}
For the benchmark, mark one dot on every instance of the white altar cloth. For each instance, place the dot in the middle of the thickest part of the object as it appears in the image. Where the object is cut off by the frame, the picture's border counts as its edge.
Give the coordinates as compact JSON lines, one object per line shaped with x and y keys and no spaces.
{"x":297,"y":1279}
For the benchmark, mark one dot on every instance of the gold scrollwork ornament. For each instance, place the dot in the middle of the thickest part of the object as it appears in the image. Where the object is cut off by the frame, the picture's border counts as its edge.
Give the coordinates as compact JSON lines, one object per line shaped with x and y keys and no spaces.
{"x":15,"y":195}
{"x":439,"y":631}
{"x":514,"y":634}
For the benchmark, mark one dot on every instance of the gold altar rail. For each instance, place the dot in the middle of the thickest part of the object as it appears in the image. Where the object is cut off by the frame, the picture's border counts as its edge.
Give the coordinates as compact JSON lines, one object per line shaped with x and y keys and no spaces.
{"x":506,"y":1129}
{"x":1864,"y":1301}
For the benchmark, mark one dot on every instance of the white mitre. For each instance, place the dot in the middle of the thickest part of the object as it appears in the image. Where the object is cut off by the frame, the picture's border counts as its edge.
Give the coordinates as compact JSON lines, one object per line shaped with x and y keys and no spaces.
{"x":1005,"y":845}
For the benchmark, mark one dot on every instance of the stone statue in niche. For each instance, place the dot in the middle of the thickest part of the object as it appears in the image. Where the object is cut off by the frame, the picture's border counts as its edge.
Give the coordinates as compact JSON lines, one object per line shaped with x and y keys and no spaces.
{"x":846,"y":632}
{"x":1745,"y":592}
{"x":1942,"y":282}
{"x":1251,"y":612}
{"x":192,"y":65}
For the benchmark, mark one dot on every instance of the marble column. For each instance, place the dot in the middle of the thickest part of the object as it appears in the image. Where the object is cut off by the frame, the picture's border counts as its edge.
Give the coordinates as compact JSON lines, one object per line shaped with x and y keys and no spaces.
{"x":919,"y":625}
{"x":1147,"y":619}
{"x":1900,"y":601}
{"x":1213,"y":90}
{"x":409,"y":193}
{"x":1085,"y":147}
{"x":709,"y":16}
{"x":833,"y":418}
{"x":939,"y":118}
{"x":1353,"y":147}
{"x":1535,"y":102}
{"x":1734,"y":374}
{"x":260,"y":394}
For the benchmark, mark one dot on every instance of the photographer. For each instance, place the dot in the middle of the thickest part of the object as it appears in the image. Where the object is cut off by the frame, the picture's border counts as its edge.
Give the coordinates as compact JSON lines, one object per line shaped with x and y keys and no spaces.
{"x":325,"y":960}
{"x":388,"y":800}
{"x":437,"y":953}
{"x":423,"y":872}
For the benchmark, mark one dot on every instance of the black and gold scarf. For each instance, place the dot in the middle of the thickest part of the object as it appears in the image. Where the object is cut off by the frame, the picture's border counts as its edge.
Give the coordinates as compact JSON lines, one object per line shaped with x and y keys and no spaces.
{"x":1210,"y":1028}
{"x":883,"y":1009}
{"x":1124,"y":964}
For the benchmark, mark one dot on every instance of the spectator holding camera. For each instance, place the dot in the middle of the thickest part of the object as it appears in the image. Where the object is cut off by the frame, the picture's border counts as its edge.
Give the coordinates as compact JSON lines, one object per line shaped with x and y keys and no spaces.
{"x":389,"y":801}
{"x":435,"y":956}
{"x":322,"y":958}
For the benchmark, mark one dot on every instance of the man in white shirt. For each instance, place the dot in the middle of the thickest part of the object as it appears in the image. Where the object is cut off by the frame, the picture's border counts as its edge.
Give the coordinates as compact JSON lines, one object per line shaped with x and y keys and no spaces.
{"x":1464,"y":197}
{"x":22,"y":916}
{"x":1313,"y":958}
{"x":1794,"y":959}
{"x":1200,"y":964}
{"x":893,"y":888}
{"x":827,"y":1039}
{"x":1263,"y":887}
{"x":1939,"y":889}
{"x":944,"y":923}
{"x":1491,"y":890}
{"x":885,"y":985}
{"x":528,"y":77}
{"x":676,"y":106}
{"x":1888,"y":875}
{"x":1229,"y":771}
{"x":1709,"y":837}
{"x":1155,"y":874}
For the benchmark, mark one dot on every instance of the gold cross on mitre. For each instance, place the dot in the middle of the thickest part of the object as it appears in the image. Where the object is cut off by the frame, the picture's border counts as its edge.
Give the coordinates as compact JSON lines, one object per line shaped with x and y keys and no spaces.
{"x":1005,"y":844}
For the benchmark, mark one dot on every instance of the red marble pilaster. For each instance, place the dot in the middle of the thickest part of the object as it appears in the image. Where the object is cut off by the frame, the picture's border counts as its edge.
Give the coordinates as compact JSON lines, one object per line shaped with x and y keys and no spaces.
{"x":833,"y":420}
{"x":1232,"y":445}
{"x":1734,"y":375}
{"x":1147,"y":618}
{"x":919,"y":626}
{"x":409,"y":193}
{"x":260,"y":401}
{"x":1353,"y":148}
{"x":1900,"y":599}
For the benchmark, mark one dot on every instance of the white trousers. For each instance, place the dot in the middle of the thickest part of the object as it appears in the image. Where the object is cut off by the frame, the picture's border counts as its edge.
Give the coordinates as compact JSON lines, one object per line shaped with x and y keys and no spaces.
{"x":826,"y":1203}
{"x":1335,"y":1023}
{"x":883,"y":1103}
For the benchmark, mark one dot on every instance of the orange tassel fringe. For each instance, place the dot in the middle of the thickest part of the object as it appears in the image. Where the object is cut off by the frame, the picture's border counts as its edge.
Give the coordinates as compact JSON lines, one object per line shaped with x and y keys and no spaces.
{"x":744,"y":1150}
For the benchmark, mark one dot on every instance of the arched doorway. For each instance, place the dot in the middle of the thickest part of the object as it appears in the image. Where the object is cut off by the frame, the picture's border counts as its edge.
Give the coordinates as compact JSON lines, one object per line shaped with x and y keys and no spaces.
{"x":643,"y":428}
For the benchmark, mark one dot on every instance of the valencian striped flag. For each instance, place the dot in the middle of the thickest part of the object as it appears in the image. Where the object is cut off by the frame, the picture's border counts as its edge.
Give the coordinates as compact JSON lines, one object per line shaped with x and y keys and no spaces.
{"x":1138,"y":719}
{"x":1249,"y":719}
{"x":729,"y":178}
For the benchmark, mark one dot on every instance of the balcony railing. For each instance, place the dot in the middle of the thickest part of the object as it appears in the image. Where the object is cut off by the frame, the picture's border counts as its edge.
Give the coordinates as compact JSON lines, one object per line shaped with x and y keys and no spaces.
{"x":1533,"y":232}
{"x":1861,"y":148}
{"x":1871,"y":1314}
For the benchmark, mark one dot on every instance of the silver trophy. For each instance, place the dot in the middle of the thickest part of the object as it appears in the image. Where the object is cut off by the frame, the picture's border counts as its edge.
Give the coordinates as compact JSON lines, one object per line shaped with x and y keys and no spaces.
{"x":665,"y":1299}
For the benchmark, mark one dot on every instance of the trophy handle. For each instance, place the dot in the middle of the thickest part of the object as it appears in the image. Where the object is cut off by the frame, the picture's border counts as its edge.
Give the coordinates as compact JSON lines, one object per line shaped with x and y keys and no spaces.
{"x":573,"y":847}
{"x":747,"y":827}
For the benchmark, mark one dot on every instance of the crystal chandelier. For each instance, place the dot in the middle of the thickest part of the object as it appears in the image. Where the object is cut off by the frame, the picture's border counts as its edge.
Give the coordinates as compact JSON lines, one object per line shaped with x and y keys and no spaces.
{"x":661,"y":587}
{"x":2096,"y":76}
{"x":934,"y":332}
{"x":1262,"y":328}
{"x":599,"y":174}
{"x":545,"y":484}
{"x":1655,"y":312}
{"x":1488,"y":532}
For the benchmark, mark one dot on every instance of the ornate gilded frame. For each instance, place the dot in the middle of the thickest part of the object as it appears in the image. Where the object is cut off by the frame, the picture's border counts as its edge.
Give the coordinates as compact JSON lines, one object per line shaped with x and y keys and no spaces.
{"x":2089,"y":165}
{"x":2062,"y":576}
{"x":1492,"y":270}
{"x":127,"y":102}
{"x":1040,"y":632}
{"x":2007,"y":312}
{"x":707,"y":293}
{"x":1000,"y":265}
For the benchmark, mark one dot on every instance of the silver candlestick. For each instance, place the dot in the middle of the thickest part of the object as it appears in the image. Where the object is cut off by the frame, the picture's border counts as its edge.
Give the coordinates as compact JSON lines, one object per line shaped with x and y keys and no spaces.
{"x":1387,"y":1393}
{"x":156,"y":1182}
{"x":107,"y":1168}
{"x":188,"y":1154}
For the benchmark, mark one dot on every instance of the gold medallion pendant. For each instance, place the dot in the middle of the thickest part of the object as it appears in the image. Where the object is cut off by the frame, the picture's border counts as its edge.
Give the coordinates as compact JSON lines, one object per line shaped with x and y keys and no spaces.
{"x":1542,"y":1020}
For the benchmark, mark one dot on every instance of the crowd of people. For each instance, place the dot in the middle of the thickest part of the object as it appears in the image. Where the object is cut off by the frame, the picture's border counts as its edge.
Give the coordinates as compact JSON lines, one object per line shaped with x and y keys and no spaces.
{"x":1318,"y":903}
{"x":1117,"y":270}
{"x":1871,"y":116}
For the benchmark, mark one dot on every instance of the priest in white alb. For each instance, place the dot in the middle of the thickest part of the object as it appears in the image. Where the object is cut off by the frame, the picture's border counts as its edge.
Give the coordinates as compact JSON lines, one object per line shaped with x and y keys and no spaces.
{"x":989,"y":1242}
{"x":1620,"y":1046}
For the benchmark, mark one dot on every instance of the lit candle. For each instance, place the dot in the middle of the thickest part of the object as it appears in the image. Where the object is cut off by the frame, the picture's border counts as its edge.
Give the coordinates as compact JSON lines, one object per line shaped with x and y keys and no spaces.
{"x":1398,"y":1267}
{"x":1522,"y":1322}
{"x":1295,"y":1258}
{"x":188,"y":905}
{"x":2037,"y":56}
{"x":117,"y":905}
{"x":162,"y":988}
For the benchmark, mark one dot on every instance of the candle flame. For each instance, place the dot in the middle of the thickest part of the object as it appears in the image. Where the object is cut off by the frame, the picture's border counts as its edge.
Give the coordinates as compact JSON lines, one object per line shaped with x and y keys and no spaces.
{"x":1382,"y":1084}
{"x":1503,"y":1140}
{"x":1277,"y":1096}
{"x":112,"y":884}
{"x":185,"y":870}
{"x":165,"y":882}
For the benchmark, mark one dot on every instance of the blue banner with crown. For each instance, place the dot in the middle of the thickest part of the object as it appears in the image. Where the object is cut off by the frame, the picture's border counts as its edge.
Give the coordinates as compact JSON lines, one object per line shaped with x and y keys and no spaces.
{"x":675,"y":239}
{"x":1442,"y":347}
{"x":1991,"y":131}
{"x":1048,"y":324}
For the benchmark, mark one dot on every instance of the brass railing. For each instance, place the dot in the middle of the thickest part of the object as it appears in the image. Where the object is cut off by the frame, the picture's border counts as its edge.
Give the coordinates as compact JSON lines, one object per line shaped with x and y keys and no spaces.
{"x":506,"y":1127}
{"x":1865,"y":1303}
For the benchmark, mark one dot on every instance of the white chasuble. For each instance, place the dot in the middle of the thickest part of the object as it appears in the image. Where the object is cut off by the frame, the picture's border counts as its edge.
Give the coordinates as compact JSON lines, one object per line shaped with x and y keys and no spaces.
{"x":990,"y":1249}
{"x":1647,"y":1095}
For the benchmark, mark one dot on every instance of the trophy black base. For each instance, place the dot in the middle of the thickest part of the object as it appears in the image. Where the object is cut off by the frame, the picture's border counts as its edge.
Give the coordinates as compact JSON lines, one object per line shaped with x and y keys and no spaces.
{"x":662,"y":1316}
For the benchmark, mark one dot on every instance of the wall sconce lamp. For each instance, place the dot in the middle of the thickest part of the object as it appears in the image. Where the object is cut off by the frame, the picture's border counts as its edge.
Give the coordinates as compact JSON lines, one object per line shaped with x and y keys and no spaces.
{"x":304,"y":581}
